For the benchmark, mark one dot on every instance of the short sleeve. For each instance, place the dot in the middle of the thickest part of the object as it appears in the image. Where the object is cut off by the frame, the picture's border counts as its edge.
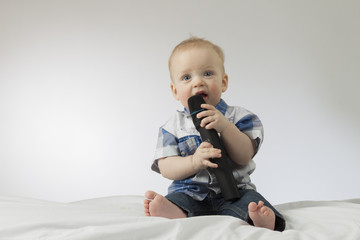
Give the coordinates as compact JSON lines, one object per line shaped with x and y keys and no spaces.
{"x":167,"y":145}
{"x":251,"y":125}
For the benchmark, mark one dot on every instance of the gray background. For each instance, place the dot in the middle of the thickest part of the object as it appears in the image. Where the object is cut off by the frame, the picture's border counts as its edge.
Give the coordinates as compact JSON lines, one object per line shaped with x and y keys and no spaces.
{"x":84,"y":87}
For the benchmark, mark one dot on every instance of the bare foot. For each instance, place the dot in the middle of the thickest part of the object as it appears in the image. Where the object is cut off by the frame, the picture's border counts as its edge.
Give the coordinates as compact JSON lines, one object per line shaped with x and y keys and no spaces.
{"x":158,"y":206}
{"x":261,"y":215}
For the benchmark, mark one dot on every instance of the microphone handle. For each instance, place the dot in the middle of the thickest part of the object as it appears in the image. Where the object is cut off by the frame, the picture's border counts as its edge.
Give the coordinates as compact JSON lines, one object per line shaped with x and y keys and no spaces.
{"x":223,"y":172}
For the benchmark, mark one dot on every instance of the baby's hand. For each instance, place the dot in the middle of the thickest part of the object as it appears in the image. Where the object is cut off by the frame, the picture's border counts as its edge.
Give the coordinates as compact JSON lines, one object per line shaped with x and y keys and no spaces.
{"x":203,"y":154}
{"x":213,"y":118}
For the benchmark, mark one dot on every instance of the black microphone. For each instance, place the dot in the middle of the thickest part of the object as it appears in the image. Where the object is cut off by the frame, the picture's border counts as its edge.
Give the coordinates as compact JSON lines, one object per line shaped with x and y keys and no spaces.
{"x":223,"y":172}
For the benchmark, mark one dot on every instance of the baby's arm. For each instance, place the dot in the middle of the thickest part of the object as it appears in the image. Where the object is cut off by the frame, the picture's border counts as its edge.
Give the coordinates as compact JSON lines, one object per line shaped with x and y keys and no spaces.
{"x":238,"y":145}
{"x":178,"y":168}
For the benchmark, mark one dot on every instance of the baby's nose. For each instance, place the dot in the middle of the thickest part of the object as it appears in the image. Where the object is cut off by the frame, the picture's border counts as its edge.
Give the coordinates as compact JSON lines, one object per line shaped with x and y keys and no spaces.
{"x":198,"y":81}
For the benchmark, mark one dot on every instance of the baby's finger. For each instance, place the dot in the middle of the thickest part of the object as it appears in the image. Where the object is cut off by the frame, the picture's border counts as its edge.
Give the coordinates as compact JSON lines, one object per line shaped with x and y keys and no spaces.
{"x":210,"y":164}
{"x":206,"y":121}
{"x":205,"y":114}
{"x":207,"y":106}
{"x":205,"y":145}
{"x":211,"y":153}
{"x":210,"y":125}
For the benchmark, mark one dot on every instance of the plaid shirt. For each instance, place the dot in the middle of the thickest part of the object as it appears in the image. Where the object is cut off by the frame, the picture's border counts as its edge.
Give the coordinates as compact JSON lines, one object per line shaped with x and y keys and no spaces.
{"x":179,"y":137}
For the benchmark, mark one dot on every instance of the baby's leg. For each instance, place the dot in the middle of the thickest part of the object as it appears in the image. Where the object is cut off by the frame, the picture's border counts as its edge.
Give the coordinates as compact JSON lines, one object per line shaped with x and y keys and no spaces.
{"x":261,"y":215}
{"x":158,"y":206}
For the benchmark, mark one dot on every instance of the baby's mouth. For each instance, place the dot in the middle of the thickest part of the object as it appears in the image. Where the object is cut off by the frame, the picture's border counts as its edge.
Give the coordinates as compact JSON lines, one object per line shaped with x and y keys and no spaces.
{"x":203,"y":94}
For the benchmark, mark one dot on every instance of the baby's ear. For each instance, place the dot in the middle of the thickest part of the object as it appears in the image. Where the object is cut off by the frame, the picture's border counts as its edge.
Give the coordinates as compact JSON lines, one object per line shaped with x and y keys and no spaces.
{"x":174,"y":90}
{"x":225,"y":82}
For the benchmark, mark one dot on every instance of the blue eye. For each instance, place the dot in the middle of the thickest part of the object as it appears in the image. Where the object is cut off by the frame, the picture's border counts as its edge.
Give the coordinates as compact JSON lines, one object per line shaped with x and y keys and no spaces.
{"x":208,"y":74}
{"x":186,"y":78}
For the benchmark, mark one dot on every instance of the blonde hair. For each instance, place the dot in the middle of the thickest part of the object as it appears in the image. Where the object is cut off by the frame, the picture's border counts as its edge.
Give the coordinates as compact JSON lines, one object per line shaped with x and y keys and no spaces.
{"x":197,"y":42}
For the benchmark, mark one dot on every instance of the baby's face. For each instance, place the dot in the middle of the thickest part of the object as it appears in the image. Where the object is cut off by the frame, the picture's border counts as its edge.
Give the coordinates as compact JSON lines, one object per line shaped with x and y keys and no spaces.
{"x":197,"y":71}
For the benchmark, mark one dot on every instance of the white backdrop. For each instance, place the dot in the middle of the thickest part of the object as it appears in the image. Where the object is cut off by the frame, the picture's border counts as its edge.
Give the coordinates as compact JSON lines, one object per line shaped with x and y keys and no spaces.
{"x":84,"y":87}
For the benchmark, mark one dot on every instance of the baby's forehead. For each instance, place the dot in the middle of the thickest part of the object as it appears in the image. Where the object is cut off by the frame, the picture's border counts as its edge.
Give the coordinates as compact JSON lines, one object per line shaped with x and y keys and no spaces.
{"x":184,"y":49}
{"x":206,"y":47}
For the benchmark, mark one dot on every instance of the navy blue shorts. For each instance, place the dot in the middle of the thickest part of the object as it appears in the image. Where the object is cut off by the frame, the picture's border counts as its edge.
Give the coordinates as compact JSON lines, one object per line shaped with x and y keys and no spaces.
{"x":214,"y":204}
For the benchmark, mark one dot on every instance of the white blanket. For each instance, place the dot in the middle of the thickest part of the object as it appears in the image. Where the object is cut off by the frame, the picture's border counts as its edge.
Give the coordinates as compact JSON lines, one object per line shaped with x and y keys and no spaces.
{"x":122,"y":217}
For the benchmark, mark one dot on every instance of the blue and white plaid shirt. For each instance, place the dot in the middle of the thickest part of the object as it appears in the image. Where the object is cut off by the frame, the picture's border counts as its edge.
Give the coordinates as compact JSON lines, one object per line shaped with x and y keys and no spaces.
{"x":179,"y":137}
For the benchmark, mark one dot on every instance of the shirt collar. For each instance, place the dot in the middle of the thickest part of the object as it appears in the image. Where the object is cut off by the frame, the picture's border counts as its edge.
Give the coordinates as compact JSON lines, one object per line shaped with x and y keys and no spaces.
{"x":221,"y":106}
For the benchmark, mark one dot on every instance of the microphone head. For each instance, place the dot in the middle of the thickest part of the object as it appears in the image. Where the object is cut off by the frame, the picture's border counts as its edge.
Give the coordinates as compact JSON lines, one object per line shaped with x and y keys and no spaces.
{"x":194,"y":104}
